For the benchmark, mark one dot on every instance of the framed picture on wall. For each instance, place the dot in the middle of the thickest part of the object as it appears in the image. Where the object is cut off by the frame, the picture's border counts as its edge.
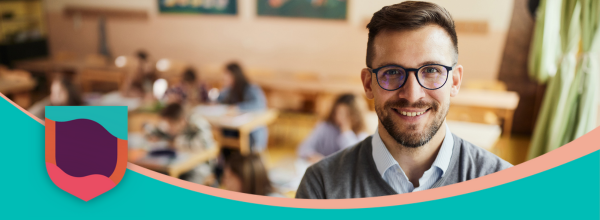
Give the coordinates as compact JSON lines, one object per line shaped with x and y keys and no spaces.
{"x":322,"y":9}
{"x":226,"y":7}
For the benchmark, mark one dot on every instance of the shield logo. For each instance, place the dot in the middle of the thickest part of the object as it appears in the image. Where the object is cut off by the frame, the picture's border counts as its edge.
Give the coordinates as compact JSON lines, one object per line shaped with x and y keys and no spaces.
{"x":86,"y":148}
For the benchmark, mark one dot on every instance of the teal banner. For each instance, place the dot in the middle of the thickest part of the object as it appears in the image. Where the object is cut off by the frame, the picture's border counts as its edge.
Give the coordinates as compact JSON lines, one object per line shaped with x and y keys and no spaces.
{"x":568,"y":191}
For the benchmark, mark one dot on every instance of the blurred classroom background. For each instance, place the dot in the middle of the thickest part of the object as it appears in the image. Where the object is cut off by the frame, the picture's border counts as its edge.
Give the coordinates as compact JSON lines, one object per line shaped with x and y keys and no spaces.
{"x":216,"y":88}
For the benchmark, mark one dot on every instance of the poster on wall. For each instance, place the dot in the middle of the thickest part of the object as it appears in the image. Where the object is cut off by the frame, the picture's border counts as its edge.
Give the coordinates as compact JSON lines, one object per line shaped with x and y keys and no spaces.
{"x":323,"y":9}
{"x":227,"y":7}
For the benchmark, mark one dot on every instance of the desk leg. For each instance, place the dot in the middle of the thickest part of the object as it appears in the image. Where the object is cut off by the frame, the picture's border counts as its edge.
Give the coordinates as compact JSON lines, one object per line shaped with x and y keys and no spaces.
{"x":244,"y":142}
{"x":174,"y":173}
{"x":508,"y":120}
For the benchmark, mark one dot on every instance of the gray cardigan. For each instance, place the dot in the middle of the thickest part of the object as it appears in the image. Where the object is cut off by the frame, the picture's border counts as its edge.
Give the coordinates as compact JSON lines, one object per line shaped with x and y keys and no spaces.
{"x":352,"y":173}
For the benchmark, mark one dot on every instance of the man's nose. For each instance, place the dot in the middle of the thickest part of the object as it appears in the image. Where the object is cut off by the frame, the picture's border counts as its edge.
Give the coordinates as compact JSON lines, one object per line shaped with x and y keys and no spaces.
{"x":412,"y":90}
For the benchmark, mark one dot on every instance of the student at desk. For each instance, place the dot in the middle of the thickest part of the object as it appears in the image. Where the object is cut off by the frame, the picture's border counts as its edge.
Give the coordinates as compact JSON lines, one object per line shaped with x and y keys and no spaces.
{"x":183,"y":133}
{"x":139,"y":82}
{"x":239,"y":92}
{"x":344,"y":127}
{"x":62,"y":93}
{"x":189,"y":91}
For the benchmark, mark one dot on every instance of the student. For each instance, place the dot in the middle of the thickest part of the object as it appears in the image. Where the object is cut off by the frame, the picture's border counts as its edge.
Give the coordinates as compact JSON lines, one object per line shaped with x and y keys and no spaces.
{"x":139,"y":82}
{"x":411,"y":74}
{"x":189,"y":91}
{"x":183,"y":133}
{"x":62,"y":93}
{"x":239,"y":92}
{"x":247,"y":174}
{"x":344,"y":127}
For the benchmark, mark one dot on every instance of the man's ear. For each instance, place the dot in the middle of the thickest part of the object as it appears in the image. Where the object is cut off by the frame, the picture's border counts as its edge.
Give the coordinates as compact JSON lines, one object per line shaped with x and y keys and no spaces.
{"x":365,"y":75}
{"x":457,"y":74}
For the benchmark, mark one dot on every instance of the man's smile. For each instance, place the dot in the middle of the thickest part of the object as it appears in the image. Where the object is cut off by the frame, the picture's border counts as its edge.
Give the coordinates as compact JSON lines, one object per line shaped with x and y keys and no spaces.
{"x":411,"y":114}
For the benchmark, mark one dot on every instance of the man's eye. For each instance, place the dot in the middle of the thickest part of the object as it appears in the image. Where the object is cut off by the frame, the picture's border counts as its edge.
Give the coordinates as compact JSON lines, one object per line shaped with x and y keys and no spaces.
{"x":431,"y":70}
{"x":392,"y":72}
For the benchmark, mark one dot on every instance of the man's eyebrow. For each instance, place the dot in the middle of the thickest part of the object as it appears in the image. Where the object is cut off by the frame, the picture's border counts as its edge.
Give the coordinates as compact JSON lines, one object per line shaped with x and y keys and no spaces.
{"x":388,"y":64}
{"x":431,"y":62}
{"x":420,"y":65}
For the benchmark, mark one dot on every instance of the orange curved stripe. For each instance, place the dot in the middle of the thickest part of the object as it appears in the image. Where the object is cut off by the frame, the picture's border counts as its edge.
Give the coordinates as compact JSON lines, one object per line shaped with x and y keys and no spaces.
{"x":121,"y":161}
{"x":580,"y":147}
{"x":50,"y":141}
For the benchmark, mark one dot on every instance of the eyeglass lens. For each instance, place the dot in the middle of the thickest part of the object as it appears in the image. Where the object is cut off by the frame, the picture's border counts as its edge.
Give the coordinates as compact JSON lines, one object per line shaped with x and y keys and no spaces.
{"x":430,"y":77}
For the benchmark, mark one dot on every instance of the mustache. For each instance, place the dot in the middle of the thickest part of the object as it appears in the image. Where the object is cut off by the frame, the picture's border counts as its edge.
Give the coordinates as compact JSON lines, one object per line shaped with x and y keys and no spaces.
{"x":403,"y":103}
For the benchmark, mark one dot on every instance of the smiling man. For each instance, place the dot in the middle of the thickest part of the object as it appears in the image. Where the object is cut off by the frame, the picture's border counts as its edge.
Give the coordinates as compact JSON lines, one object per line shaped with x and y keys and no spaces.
{"x":412,"y":72}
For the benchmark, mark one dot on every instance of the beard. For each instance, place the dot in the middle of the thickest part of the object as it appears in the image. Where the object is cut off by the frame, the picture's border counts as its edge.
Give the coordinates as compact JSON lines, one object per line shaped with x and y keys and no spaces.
{"x":411,"y":138}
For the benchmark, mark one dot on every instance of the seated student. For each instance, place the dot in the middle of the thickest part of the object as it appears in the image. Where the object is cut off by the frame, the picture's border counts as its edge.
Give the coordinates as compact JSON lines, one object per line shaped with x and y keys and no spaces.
{"x":247,"y":174}
{"x":183,"y":133}
{"x":247,"y":97}
{"x":139,"y":82}
{"x":344,"y":127}
{"x":62,"y":93}
{"x":188,"y":91}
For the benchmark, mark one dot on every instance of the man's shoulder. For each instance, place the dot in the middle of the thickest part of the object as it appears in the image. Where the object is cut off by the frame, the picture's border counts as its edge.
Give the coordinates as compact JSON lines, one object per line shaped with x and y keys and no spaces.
{"x":483,"y":161}
{"x":336,"y":175}
{"x":342,"y":159}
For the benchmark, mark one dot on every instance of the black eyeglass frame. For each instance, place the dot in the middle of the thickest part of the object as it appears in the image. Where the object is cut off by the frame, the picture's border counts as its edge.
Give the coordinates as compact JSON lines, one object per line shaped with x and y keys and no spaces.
{"x":416,"y":71}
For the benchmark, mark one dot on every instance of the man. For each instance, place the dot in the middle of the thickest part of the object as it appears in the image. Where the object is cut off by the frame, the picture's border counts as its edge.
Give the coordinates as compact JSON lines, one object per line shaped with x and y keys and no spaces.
{"x":412,"y":72}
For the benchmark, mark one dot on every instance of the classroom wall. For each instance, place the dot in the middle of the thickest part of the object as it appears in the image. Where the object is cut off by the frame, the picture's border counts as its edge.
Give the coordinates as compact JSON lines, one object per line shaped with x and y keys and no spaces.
{"x":285,"y":45}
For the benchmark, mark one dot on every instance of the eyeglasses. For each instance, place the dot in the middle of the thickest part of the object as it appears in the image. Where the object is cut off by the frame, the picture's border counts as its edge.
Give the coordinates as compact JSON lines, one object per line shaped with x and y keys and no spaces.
{"x":430,"y":76}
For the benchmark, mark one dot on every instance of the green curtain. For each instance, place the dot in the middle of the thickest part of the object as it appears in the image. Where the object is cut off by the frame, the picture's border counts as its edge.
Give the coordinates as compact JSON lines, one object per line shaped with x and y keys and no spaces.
{"x":590,"y":69}
{"x":570,"y":104}
{"x":545,"y":46}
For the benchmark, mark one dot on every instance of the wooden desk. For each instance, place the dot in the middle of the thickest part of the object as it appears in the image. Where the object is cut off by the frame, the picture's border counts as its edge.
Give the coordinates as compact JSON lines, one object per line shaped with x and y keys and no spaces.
{"x":502,"y":103}
{"x":87,"y":76}
{"x":244,"y":123}
{"x":182,"y":163}
{"x":45,"y":65}
{"x":284,"y":84}
{"x":321,"y":92}
{"x":19,"y":85}
{"x":85,"y":72}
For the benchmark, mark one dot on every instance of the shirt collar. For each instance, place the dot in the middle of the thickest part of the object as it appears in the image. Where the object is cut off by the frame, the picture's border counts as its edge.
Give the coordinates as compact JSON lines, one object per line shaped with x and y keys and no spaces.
{"x":384,"y":160}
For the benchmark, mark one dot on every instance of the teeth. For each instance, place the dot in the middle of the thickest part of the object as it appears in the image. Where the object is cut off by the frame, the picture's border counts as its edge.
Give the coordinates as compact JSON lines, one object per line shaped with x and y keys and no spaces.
{"x":412,"y":114}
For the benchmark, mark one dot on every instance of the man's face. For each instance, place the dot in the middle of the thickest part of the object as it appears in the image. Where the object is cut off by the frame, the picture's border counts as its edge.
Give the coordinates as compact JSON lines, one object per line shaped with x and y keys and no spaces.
{"x":412,"y":49}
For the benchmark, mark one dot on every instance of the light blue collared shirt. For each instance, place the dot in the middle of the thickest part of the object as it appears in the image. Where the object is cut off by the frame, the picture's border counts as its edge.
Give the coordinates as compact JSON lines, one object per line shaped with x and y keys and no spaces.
{"x":391,"y":172}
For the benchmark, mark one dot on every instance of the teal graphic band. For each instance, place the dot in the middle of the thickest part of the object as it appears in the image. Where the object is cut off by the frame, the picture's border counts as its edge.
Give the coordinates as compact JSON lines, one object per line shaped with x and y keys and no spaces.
{"x":569,"y":191}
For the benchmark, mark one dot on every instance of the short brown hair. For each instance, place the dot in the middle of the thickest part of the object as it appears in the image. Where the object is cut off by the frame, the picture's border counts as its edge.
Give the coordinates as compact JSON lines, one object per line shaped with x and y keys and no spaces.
{"x":409,"y":15}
